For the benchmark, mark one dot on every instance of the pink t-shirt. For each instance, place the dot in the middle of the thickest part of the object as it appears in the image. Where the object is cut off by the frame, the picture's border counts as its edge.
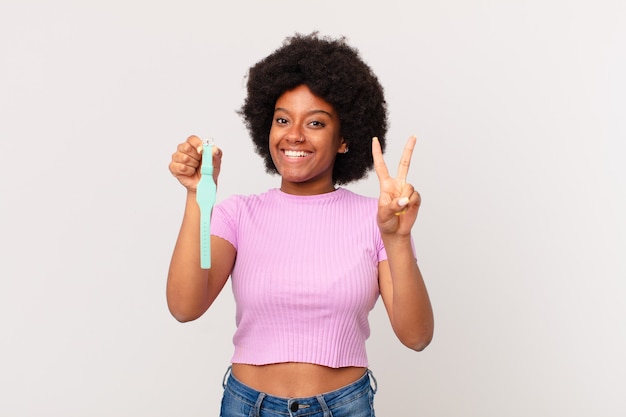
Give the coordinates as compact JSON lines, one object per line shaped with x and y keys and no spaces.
{"x":305,"y":277}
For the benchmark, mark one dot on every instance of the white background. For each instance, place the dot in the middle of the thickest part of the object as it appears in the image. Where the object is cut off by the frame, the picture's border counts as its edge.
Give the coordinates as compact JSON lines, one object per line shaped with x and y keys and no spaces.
{"x":519,"y":108}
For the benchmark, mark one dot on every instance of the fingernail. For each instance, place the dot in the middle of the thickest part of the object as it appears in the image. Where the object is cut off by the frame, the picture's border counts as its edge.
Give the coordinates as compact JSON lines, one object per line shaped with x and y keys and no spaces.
{"x":199,"y":149}
{"x":403,"y":201}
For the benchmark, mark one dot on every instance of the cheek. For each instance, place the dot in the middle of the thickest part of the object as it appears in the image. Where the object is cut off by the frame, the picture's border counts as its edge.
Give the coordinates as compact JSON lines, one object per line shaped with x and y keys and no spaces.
{"x":272,"y":147}
{"x":272,"y":137}
{"x":273,"y":155}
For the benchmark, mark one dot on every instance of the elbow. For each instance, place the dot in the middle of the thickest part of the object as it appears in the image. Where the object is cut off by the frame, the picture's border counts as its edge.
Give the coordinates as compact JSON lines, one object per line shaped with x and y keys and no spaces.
{"x":183,"y":318}
{"x":419,"y":340}
{"x":183,"y":307}
{"x":182,"y":315}
{"x":418,"y":345}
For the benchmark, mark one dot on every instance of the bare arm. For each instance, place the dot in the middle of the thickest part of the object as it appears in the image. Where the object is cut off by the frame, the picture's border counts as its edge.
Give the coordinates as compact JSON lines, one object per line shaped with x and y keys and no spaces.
{"x":190,"y":289}
{"x":401,"y":284}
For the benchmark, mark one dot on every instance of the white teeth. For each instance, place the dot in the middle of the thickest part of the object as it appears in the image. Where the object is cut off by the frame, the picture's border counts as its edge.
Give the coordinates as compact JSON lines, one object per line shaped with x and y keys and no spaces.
{"x":296,"y":154}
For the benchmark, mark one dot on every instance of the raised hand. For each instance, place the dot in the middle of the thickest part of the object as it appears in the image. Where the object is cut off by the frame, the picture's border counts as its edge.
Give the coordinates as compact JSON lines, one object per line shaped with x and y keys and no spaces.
{"x":398,"y":203}
{"x":186,"y":162}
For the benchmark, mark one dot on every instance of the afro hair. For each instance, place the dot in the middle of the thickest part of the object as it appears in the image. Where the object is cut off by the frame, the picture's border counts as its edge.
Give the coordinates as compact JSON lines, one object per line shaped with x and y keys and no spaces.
{"x":333,"y":71}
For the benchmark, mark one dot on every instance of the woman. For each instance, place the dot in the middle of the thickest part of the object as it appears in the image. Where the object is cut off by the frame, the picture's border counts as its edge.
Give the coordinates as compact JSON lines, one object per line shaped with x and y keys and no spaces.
{"x":308,"y":260}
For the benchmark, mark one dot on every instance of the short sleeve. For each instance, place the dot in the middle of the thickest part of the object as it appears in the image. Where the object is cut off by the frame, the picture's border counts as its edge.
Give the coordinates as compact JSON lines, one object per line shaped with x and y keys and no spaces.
{"x":224,"y":220}
{"x":382,"y":253}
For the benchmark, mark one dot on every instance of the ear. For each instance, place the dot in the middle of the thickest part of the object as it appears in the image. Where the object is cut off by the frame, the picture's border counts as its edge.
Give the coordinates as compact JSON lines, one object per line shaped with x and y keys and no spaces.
{"x":343,"y":147}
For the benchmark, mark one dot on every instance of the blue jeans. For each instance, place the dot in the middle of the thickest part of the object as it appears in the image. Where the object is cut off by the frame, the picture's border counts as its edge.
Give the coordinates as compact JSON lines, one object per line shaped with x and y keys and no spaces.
{"x":354,"y":400}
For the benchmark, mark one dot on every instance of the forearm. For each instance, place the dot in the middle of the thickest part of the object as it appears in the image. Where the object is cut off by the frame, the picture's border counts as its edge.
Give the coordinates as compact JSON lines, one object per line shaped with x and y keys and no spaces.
{"x":187,"y":284}
{"x":411,"y":314}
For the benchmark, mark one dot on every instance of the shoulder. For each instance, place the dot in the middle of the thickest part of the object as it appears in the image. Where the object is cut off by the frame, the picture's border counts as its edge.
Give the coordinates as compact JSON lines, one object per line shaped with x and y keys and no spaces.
{"x":248,"y":198}
{"x":351,"y":194}
{"x":239,"y":202}
{"x":357,"y":199}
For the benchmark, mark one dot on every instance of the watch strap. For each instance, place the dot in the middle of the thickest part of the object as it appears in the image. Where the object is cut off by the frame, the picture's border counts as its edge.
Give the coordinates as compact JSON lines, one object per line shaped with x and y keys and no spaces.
{"x":205,"y":197}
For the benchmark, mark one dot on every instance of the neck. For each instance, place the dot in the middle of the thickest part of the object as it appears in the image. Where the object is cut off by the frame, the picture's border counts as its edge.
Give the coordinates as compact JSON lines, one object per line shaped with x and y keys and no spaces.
{"x":306,"y":189}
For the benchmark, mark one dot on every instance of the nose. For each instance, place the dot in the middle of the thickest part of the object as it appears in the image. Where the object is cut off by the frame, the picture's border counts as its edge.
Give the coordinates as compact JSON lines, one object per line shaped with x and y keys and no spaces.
{"x":295,"y":134}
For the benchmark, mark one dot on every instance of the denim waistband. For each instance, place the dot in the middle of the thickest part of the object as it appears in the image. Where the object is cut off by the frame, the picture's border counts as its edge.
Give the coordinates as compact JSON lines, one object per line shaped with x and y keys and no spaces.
{"x":322,"y":402}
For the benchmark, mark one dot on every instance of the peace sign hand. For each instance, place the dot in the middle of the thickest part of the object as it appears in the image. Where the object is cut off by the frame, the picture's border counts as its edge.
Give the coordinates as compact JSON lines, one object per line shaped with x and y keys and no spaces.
{"x":398,"y":203}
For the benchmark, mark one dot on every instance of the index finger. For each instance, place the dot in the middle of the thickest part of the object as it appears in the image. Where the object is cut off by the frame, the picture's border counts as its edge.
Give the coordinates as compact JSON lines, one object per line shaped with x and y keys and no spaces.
{"x":379,"y":163}
{"x":405,"y":159}
{"x":191,"y":147}
{"x":196,"y":143}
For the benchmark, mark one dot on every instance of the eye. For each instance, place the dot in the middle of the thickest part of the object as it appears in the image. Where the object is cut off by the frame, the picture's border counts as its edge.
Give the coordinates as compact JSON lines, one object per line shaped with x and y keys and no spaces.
{"x":280,"y":121}
{"x":317,"y":123}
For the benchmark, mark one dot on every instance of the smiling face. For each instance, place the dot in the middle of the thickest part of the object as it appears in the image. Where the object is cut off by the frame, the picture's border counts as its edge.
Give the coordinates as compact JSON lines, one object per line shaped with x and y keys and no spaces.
{"x":304,"y":142}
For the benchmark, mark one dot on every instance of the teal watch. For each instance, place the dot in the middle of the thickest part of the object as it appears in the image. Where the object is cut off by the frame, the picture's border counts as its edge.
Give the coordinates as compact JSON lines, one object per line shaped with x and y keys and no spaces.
{"x":205,"y":197}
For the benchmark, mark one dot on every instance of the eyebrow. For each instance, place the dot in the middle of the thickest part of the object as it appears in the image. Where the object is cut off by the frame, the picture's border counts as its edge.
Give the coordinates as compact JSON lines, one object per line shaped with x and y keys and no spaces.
{"x":308,"y":113}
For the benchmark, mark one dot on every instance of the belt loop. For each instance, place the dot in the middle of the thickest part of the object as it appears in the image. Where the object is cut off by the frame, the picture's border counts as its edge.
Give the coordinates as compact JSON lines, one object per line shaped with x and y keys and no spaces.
{"x":225,"y":378}
{"x":320,"y":399}
{"x":373,"y":382}
{"x":257,"y":405}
